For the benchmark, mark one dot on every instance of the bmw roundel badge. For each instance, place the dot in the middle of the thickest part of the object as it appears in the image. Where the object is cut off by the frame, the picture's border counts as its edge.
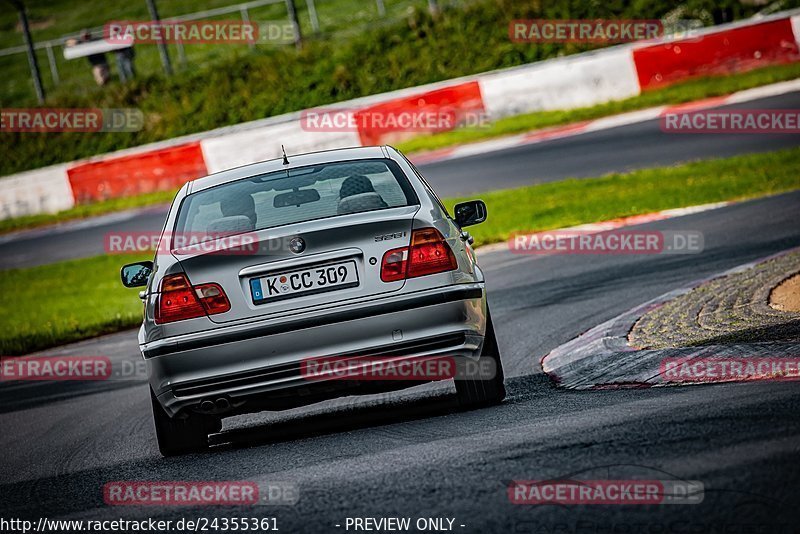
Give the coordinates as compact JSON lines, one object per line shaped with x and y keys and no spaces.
{"x":297,"y":245}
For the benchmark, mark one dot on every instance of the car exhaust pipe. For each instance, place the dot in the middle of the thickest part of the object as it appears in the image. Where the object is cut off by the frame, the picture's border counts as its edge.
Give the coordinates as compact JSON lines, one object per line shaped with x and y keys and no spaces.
{"x":215,"y":406}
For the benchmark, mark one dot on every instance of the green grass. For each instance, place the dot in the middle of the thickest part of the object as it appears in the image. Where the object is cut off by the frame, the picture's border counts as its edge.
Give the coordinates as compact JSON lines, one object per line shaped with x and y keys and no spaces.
{"x":52,"y":19}
{"x":87,"y":210}
{"x":578,"y":201}
{"x":677,"y":94}
{"x":63,"y":302}
{"x":78,"y":299}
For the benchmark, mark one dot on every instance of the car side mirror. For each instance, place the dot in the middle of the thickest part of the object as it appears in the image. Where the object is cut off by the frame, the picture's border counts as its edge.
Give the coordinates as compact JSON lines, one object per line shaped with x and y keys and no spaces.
{"x":470,"y":212}
{"x":136,"y":274}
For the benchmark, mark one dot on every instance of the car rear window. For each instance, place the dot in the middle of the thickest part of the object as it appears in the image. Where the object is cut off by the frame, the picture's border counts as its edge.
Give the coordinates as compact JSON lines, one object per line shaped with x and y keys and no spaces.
{"x":296,"y":195}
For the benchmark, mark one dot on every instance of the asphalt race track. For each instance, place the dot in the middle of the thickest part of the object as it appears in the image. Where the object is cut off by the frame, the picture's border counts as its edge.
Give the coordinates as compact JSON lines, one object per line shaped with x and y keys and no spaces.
{"x":592,"y":154}
{"x":413,"y":455}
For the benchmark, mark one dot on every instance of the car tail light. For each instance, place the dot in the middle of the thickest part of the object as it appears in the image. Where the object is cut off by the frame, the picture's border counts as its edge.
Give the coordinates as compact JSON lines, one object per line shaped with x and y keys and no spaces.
{"x":393,"y":266}
{"x":213,"y":298}
{"x":429,"y":253}
{"x":180,"y":300}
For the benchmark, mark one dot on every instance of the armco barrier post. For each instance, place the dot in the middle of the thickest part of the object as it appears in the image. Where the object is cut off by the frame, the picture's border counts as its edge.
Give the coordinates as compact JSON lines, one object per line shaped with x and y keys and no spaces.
{"x":292,"y":9}
{"x":26,"y":32}
{"x":162,"y":47}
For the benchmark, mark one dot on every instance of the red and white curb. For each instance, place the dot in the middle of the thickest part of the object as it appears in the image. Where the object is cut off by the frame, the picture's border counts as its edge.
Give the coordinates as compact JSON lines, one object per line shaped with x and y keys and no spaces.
{"x":602,"y":359}
{"x":605,"y":123}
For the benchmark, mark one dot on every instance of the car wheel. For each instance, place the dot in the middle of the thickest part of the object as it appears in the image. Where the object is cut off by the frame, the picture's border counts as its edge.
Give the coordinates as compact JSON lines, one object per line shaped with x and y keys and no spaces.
{"x":476,"y":391}
{"x":182,"y":435}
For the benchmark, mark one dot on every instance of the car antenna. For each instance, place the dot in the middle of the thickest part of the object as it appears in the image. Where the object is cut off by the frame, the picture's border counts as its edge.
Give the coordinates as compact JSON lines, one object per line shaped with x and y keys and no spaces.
{"x":285,"y":159}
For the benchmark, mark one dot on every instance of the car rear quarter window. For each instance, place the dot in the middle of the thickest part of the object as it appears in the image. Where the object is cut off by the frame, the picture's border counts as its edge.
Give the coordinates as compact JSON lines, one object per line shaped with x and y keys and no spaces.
{"x":296,"y":195}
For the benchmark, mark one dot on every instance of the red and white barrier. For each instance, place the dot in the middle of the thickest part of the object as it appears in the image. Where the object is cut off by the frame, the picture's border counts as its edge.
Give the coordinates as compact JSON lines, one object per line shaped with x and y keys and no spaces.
{"x":460,"y":99}
{"x":736,"y":49}
{"x":134,"y":174}
{"x":44,"y":190}
{"x":563,"y":83}
{"x":263,"y":143}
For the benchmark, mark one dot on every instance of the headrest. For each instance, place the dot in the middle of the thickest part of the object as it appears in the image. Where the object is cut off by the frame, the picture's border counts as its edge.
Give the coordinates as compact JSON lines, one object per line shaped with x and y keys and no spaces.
{"x":362,"y":202}
{"x":233,"y":224}
{"x":355,"y":185}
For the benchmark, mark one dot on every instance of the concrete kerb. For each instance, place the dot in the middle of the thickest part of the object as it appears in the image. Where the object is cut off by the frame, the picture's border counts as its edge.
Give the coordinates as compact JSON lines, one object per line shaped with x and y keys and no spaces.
{"x":602,"y":359}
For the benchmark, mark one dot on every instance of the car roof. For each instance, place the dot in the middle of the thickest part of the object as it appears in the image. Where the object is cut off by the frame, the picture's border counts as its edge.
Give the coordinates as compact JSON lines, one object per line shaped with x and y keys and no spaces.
{"x":295,"y":161}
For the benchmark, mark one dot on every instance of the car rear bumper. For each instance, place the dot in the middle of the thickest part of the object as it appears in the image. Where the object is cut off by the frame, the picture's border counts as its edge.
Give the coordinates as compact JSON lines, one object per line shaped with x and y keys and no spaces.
{"x":250,"y":366}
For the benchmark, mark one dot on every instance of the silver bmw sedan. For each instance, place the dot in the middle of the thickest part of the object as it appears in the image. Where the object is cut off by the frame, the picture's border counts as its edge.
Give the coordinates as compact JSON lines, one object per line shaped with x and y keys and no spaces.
{"x":309,"y":277}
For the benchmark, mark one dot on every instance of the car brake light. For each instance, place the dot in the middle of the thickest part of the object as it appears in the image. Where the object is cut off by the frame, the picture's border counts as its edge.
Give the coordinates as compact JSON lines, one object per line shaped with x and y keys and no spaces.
{"x":179,"y":300}
{"x":393,"y":266}
{"x":213,"y":298}
{"x":429,"y":253}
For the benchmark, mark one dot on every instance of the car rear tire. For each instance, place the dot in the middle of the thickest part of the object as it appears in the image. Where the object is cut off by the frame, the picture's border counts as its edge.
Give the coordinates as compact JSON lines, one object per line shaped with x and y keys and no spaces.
{"x":476,"y":391}
{"x":182,"y":435}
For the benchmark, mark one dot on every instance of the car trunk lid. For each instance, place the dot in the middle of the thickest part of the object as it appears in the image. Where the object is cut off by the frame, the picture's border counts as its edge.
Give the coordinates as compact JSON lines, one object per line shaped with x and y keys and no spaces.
{"x":340,"y":261}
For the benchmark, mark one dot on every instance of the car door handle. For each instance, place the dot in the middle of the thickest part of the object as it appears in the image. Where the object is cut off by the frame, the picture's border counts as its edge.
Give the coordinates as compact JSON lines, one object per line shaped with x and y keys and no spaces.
{"x":466,"y":236}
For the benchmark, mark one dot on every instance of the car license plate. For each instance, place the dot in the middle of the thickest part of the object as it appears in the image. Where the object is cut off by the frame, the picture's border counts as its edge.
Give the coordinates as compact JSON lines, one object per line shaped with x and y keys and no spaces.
{"x":304,"y":282}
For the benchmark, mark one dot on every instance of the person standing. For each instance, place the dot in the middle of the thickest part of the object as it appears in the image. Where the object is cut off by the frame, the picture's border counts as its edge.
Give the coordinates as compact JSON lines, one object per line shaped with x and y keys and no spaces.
{"x":124,"y":57}
{"x":100,"y":69}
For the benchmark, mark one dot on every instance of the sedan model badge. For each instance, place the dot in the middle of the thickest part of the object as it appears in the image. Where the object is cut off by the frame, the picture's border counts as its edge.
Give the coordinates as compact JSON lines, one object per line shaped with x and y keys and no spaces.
{"x":387,"y":237}
{"x":297,"y":245}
